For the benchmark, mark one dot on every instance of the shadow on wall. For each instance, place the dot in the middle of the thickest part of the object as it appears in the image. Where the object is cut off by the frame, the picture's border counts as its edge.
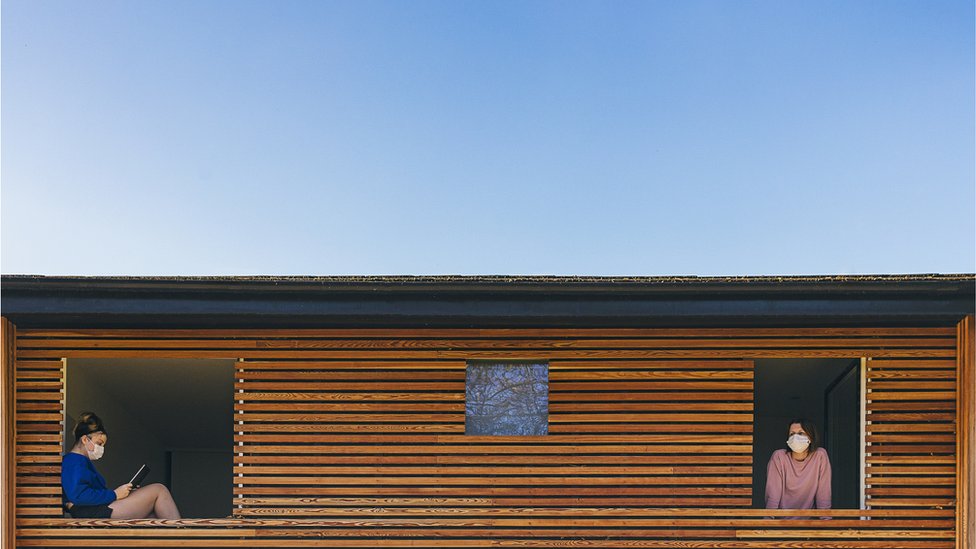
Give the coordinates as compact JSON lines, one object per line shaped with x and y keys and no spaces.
{"x":174,"y":415}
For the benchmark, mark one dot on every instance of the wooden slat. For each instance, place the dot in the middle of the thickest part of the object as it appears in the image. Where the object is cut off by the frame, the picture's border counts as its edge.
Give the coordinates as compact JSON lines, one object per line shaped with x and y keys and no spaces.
{"x":905,"y":365}
{"x":561,"y":410}
{"x":911,"y":427}
{"x":536,"y":344}
{"x":487,"y":507}
{"x":435,"y":408}
{"x":379,"y":442}
{"x":678,"y":367}
{"x":29,"y":367}
{"x":504,"y":333}
{"x":495,"y":355}
{"x":509,"y":449}
{"x":488,"y":483}
{"x":275,"y":454}
{"x":666,"y":427}
{"x":496,"y":542}
{"x":648,"y":496}
{"x":880,"y":406}
{"x":499,"y":470}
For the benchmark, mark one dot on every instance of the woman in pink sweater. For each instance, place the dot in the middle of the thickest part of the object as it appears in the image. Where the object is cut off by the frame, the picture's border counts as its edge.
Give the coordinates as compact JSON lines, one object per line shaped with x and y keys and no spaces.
{"x":799,"y":478}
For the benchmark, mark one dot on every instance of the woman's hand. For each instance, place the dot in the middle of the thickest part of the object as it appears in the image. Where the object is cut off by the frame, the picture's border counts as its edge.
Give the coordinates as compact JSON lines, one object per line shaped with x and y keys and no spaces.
{"x":122,"y":492}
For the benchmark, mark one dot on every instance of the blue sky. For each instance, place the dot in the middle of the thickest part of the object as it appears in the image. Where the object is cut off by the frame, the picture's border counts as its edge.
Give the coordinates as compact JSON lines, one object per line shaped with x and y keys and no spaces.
{"x":462,"y":137}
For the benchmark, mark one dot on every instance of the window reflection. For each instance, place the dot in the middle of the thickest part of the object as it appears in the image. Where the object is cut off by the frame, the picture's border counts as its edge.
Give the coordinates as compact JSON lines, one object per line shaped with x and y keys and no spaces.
{"x":507,"y":399}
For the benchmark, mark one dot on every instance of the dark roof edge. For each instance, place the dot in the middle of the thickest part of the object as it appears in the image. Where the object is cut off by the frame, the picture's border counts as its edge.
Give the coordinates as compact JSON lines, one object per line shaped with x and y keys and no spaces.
{"x":38,"y":301}
{"x":898,"y":283}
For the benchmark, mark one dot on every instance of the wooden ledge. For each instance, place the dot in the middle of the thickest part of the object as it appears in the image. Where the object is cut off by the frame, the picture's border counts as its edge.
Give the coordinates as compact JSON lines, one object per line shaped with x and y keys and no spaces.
{"x":538,"y":527}
{"x":380,"y":516}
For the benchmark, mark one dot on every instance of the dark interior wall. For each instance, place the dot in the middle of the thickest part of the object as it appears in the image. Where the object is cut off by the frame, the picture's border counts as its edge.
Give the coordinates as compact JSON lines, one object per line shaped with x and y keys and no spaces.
{"x":174,"y":415}
{"x":193,"y":473}
{"x":790,"y":388}
{"x":844,"y":421}
{"x":131,"y":442}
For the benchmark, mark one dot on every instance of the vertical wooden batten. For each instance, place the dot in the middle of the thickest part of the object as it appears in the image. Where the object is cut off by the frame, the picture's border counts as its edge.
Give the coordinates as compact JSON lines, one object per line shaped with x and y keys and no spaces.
{"x":966,"y":424}
{"x":8,"y":451}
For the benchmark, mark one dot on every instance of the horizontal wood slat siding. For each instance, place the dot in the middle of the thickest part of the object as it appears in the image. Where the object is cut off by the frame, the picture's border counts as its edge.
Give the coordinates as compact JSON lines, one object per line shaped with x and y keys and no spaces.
{"x":911,"y":440}
{"x":355,"y":438}
{"x":40,"y":413}
{"x":417,"y":431}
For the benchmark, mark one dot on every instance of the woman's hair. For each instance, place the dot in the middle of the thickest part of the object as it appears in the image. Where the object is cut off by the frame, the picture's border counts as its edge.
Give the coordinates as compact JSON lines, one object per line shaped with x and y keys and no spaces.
{"x":811,"y":429}
{"x":88,"y":423}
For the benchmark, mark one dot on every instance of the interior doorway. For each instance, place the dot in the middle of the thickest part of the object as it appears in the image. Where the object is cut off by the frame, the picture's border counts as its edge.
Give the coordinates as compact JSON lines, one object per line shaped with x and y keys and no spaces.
{"x":827,"y":391}
{"x":177,"y":416}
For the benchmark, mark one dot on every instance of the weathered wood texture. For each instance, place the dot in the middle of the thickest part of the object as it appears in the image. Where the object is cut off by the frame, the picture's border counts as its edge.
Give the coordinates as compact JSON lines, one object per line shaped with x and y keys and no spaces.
{"x":351,"y":438}
{"x":634,"y":435}
{"x":966,"y":453}
{"x":911,"y":439}
{"x":8,"y":351}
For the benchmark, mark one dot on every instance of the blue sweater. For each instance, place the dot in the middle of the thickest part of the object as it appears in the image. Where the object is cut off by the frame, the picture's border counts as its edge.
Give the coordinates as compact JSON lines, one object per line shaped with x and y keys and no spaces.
{"x":80,"y":482}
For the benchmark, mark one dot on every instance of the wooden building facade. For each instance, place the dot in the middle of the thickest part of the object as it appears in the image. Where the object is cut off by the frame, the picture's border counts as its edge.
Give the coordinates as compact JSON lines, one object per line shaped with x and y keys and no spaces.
{"x":349,"y":407}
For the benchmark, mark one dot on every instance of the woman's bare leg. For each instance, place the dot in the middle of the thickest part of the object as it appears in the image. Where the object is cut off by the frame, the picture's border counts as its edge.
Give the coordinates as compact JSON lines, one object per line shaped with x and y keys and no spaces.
{"x":150,"y":500}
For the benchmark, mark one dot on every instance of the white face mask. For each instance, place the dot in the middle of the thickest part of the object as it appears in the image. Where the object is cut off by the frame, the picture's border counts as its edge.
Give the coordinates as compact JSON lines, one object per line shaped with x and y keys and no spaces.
{"x":798,"y":443}
{"x":96,"y":453}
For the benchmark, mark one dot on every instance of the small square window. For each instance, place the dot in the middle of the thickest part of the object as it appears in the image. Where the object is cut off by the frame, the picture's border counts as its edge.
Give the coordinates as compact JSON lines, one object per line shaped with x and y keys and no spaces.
{"x":506,"y":399}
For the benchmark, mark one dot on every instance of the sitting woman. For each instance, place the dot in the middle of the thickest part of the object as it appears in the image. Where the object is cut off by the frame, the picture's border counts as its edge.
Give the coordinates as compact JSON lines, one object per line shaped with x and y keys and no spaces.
{"x":84,"y":493}
{"x":799,"y":478}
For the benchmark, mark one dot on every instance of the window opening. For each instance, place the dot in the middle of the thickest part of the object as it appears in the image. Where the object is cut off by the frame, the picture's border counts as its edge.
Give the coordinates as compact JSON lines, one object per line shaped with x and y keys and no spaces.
{"x":827,"y":391}
{"x":174,"y":415}
{"x":506,"y":399}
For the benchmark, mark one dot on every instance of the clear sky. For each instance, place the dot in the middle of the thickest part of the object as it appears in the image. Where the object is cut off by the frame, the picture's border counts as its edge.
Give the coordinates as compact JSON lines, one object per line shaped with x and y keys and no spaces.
{"x":464,"y":137}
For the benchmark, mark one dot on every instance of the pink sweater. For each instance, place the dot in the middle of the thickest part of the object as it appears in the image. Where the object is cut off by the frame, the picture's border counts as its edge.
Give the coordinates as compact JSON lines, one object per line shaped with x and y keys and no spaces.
{"x":792,"y":484}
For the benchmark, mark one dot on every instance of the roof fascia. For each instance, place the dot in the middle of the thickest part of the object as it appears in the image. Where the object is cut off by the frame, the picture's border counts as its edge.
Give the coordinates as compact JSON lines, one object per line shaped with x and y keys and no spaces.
{"x":453,"y":301}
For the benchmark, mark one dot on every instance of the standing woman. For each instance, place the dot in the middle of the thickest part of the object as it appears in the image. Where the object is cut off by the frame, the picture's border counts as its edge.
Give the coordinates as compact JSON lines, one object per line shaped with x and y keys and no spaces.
{"x":799,"y":478}
{"x":83,"y":489}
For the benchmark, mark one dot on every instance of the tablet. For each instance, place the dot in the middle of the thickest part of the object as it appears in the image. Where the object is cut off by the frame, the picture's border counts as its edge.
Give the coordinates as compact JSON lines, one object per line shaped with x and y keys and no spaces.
{"x":139,"y":476}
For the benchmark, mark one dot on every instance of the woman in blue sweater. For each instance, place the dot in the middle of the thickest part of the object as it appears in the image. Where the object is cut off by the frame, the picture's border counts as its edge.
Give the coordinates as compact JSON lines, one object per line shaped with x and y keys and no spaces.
{"x":84,"y":492}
